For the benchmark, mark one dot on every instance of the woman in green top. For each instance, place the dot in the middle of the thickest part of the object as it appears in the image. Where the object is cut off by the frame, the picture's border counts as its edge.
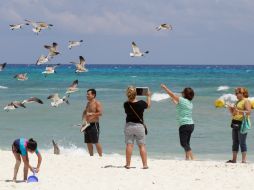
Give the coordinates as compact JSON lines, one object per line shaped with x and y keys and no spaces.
{"x":184,"y":117}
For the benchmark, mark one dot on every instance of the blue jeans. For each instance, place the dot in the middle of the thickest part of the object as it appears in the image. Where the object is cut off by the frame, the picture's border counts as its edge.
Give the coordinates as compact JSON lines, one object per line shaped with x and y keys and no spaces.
{"x":239,"y":139}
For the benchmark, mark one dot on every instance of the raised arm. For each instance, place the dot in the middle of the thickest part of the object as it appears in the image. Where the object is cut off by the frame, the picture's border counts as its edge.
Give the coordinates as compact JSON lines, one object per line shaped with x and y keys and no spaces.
{"x":170,"y":93}
{"x":148,"y":99}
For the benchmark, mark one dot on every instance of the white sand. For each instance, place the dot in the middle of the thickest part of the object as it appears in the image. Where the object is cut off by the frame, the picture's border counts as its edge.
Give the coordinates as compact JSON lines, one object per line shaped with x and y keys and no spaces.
{"x":76,"y":172}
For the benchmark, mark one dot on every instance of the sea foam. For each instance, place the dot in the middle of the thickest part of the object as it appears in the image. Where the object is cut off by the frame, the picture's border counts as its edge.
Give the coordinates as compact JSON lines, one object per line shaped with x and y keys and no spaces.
{"x":159,"y":97}
{"x":222,"y":88}
{"x":3,"y":87}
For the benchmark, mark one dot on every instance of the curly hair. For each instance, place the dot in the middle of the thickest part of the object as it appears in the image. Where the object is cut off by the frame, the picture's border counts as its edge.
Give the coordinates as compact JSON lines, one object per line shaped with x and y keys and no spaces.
{"x":131,"y":93}
{"x":243,"y":91}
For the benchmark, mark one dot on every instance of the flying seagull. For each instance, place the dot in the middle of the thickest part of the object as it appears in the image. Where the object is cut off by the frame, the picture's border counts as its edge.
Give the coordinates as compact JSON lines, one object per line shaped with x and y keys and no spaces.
{"x":80,"y":67}
{"x":21,"y":76}
{"x":74,"y":43}
{"x":50,"y":70}
{"x":44,"y":25}
{"x":73,"y":87}
{"x":52,"y":49}
{"x":42,"y":59}
{"x":38,"y":26}
{"x":17,"y":26}
{"x":2,"y":66}
{"x":164,"y":27}
{"x":32,"y":100}
{"x":15,"y":104}
{"x":136,"y":51}
{"x":56,"y":100}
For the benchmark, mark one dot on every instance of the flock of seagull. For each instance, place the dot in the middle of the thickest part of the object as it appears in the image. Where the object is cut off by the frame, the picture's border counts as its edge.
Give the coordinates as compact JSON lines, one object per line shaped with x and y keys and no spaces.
{"x":55,"y":99}
{"x":37,"y":27}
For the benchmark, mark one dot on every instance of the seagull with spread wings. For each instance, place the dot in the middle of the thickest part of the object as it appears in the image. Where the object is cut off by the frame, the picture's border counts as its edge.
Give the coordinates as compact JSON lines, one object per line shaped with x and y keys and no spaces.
{"x":38,"y":26}
{"x":80,"y":66}
{"x":21,"y":76}
{"x":52,"y":49}
{"x":164,"y":27}
{"x":74,"y":43}
{"x":136,"y":51}
{"x":73,"y":87}
{"x":15,"y":104}
{"x":42,"y":59}
{"x":56,"y":100}
{"x":2,"y":66}
{"x":50,"y":70}
{"x":17,"y":26}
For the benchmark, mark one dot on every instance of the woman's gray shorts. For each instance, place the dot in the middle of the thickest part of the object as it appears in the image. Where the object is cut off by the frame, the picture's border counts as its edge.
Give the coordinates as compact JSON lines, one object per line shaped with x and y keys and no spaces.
{"x":134,"y":131}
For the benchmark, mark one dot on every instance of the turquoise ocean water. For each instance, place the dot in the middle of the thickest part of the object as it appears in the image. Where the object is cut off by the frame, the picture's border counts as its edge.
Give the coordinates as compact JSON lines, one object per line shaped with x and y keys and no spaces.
{"x":212,"y":135}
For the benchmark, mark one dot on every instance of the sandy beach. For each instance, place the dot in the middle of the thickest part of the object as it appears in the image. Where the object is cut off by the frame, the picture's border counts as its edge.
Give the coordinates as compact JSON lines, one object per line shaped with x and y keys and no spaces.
{"x":84,"y":172}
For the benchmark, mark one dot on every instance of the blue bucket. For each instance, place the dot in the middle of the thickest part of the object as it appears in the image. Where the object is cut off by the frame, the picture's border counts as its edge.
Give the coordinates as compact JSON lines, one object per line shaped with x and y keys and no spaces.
{"x":32,"y":178}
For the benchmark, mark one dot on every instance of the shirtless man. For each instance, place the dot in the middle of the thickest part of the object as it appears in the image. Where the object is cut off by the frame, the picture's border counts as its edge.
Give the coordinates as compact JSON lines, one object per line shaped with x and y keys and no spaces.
{"x":91,"y":114}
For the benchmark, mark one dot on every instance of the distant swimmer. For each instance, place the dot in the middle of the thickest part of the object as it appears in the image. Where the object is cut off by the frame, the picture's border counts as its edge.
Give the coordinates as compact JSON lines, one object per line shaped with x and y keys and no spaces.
{"x":80,"y":66}
{"x":73,"y":87}
{"x":2,"y":66}
{"x":17,"y":26}
{"x":164,"y":27}
{"x":74,"y":43}
{"x":56,"y":100}
{"x":56,"y":148}
{"x":136,"y":51}
{"x":21,"y":76}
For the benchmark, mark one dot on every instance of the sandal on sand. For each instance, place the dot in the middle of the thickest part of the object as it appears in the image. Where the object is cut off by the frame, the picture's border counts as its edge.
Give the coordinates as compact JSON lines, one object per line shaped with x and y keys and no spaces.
{"x":127,"y":167}
{"x":146,"y":167}
{"x":230,"y":161}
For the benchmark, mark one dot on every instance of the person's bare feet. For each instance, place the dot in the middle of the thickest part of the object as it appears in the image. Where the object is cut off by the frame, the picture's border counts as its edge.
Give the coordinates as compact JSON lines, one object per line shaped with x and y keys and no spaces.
{"x":231,"y":161}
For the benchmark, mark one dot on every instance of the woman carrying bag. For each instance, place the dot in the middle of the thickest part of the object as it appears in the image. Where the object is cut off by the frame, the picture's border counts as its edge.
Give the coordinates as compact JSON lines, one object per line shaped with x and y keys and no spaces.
{"x":242,"y":108}
{"x":134,"y":127}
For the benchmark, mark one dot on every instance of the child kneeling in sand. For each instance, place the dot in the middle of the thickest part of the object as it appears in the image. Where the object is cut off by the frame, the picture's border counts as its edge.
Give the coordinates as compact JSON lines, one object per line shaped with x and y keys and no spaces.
{"x":20,"y":149}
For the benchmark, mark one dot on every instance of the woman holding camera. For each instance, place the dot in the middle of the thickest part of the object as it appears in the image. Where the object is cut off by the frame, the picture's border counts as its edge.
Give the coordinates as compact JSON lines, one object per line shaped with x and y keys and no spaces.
{"x":184,"y":117}
{"x":242,"y":106}
{"x":134,"y":128}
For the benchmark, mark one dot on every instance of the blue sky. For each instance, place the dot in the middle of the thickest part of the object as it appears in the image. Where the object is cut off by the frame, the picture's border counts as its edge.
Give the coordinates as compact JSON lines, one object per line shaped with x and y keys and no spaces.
{"x":204,"y":31}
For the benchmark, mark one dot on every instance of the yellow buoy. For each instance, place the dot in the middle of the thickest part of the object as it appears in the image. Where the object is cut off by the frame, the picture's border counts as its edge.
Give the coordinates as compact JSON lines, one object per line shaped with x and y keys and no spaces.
{"x":219,"y":103}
